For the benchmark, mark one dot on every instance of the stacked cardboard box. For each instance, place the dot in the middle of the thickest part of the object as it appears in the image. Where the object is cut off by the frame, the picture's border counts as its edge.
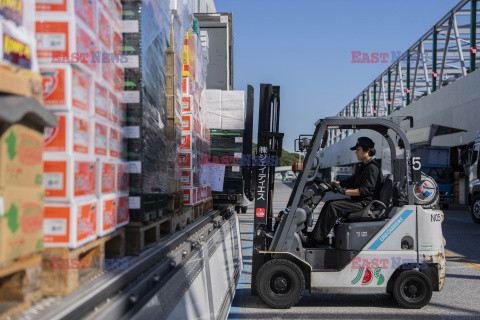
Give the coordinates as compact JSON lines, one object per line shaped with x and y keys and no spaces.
{"x":79,"y":44}
{"x":21,"y":148}
{"x":195,"y":134}
{"x":21,"y":192}
{"x":226,"y":119}
{"x":146,"y":29}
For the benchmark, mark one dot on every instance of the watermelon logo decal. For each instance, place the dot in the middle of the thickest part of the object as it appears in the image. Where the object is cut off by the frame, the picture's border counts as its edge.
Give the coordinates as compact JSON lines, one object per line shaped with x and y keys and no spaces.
{"x":368,"y":276}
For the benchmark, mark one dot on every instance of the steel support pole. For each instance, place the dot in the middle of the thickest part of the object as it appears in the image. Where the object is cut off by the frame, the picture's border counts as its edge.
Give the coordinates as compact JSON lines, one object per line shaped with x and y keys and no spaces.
{"x":434,"y":60}
{"x":473,"y":34}
{"x":389,"y":92}
{"x":363,"y":104}
{"x":374,"y":99}
{"x":408,"y":79}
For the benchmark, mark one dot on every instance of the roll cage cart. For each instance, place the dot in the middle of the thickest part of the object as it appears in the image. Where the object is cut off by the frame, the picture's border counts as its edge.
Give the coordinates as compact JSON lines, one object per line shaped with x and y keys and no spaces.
{"x":394,"y":245}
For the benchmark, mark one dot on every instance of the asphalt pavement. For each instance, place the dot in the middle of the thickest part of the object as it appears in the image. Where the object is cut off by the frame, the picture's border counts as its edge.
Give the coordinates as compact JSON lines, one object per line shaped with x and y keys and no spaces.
{"x":460,"y":298}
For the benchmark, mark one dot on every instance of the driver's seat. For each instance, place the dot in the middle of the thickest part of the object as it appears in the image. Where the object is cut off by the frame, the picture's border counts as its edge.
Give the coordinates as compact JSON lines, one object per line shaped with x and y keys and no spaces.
{"x":377,"y":209}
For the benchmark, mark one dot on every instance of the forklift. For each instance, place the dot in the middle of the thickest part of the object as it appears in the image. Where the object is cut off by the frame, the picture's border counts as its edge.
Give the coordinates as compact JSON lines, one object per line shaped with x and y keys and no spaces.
{"x":392,"y":246}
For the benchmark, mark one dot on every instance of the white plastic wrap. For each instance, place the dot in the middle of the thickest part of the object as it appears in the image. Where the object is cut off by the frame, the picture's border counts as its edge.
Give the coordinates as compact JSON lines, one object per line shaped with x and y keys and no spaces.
{"x":233,"y":110}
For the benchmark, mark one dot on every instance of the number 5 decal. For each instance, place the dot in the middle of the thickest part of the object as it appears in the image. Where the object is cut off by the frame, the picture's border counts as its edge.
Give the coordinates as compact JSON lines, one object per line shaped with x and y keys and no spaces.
{"x":416,"y":164}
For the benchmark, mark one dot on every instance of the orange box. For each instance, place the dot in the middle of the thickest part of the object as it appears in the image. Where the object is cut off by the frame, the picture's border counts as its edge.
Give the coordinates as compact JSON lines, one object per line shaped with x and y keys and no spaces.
{"x":100,"y":138}
{"x":185,"y":160}
{"x":65,"y":88}
{"x":189,"y":178}
{"x":190,"y":196}
{"x":70,"y":225}
{"x":64,"y":41}
{"x":83,"y":9}
{"x":72,"y":135}
{"x":69,"y":178}
{"x":123,"y":216}
{"x":106,"y":177}
{"x":107,"y":215}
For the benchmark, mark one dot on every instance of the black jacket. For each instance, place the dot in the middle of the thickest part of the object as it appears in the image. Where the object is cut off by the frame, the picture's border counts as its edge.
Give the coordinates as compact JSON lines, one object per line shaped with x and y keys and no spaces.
{"x":367,"y":179}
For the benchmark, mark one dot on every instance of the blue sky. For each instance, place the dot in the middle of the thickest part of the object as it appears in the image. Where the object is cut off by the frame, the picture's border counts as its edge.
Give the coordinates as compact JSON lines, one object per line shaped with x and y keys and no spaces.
{"x":305,"y":46}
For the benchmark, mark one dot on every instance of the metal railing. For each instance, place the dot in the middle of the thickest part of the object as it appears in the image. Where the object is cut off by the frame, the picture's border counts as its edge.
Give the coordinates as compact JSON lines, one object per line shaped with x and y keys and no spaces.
{"x":448,"y":51}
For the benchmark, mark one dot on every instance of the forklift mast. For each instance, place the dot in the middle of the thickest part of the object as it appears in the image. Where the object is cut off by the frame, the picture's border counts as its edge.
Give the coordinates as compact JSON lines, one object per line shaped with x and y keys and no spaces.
{"x":247,"y":147}
{"x":269,"y":150}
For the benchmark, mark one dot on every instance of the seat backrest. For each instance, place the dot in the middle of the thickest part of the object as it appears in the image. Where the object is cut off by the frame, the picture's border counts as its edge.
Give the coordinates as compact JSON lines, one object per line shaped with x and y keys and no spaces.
{"x":386,"y":193}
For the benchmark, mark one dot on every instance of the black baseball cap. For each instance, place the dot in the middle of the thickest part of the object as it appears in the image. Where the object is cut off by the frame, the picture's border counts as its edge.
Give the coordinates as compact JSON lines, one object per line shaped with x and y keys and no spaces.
{"x":364,"y":142}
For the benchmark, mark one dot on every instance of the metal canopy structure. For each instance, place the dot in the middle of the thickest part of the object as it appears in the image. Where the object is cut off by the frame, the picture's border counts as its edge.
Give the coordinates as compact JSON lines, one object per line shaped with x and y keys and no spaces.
{"x":447,"y":51}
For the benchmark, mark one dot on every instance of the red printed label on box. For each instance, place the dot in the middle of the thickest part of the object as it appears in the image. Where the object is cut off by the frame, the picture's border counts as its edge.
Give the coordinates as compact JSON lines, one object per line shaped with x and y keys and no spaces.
{"x":186,"y":104}
{"x":52,"y":39}
{"x":122,"y":210}
{"x":122,"y":178}
{"x":187,"y":178}
{"x":53,"y":86}
{"x":185,"y":160}
{"x":101,"y":138}
{"x":118,"y":78}
{"x":104,"y":30}
{"x":108,"y":177}
{"x":84,"y":176}
{"x":86,"y":45}
{"x":55,"y":178}
{"x":56,"y":224}
{"x":84,"y":10}
{"x":113,"y":143}
{"x":80,"y":135}
{"x":187,"y":123}
{"x":80,"y":90}
{"x":86,"y":221}
{"x":56,"y":138}
{"x":186,"y":142}
{"x":113,"y":108}
{"x":109,"y":214}
{"x":101,"y":100}
{"x":49,"y":5}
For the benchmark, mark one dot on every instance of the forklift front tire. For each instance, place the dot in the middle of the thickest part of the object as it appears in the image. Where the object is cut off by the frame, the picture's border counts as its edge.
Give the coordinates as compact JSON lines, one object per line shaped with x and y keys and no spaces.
{"x":280,"y":283}
{"x":412,"y":289}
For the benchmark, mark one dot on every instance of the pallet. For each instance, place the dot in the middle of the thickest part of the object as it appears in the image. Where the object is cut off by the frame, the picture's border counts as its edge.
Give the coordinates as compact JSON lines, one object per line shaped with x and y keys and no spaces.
{"x":175,"y":202}
{"x":141,"y":237}
{"x":227,"y":198}
{"x":65,"y":269}
{"x":182,"y":218}
{"x":20,"y":284}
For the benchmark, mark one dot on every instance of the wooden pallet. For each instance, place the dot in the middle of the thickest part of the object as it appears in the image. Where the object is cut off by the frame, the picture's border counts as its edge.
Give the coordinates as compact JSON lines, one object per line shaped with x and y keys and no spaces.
{"x":20,"y":284}
{"x":175,"y":202}
{"x":141,"y":236}
{"x":182,"y":218}
{"x":65,"y":270}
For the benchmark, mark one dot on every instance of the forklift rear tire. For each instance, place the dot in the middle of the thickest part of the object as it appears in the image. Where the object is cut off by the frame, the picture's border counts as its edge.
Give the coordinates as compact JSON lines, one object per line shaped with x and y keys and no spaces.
{"x":475,"y":208}
{"x":280,"y":283}
{"x":412,"y":289}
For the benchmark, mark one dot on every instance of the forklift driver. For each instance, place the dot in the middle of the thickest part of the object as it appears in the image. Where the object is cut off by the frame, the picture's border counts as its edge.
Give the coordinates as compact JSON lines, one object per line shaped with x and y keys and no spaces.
{"x":363,"y":187}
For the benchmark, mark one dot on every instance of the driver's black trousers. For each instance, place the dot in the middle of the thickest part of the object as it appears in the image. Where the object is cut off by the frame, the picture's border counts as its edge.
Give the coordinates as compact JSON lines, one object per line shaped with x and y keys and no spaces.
{"x":331,"y":211}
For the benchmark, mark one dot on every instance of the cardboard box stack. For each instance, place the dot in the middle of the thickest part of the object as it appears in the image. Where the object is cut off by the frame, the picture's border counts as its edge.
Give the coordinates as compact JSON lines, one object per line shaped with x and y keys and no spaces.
{"x":195,"y":134}
{"x":146,"y":29}
{"x":225,"y":112}
{"x":21,"y":148}
{"x":79,"y":45}
{"x":21,"y":192}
